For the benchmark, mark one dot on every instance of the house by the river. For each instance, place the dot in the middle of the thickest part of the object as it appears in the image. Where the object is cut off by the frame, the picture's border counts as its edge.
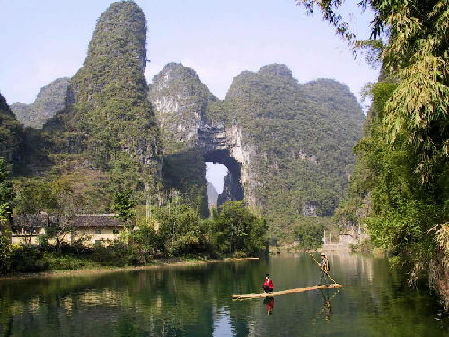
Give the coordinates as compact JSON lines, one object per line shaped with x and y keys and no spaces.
{"x":87,"y":229}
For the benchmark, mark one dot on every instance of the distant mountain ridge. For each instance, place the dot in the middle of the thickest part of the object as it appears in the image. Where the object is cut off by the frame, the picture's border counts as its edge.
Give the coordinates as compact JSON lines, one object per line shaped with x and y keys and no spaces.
{"x":51,"y":99}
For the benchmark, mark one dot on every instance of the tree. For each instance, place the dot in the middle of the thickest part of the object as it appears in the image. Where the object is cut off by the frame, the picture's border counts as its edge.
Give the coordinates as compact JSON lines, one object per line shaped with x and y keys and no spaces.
{"x":6,"y":196}
{"x":237,"y":229}
{"x":416,"y":56}
{"x":124,"y":205}
{"x":180,"y":228}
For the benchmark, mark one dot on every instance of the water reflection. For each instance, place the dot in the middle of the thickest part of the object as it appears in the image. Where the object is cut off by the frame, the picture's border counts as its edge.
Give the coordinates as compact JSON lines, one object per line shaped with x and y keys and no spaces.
{"x":269,"y":304}
{"x":328,"y":296}
{"x":222,"y":324}
{"x":196,"y":301}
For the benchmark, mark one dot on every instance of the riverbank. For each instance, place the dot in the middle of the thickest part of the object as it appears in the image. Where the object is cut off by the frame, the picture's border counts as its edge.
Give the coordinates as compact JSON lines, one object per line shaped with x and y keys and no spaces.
{"x":163,"y":263}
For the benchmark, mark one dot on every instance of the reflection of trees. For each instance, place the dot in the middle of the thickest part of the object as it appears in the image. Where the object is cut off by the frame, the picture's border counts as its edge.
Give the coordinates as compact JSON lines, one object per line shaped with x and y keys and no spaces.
{"x":182,"y":302}
{"x":163,"y":302}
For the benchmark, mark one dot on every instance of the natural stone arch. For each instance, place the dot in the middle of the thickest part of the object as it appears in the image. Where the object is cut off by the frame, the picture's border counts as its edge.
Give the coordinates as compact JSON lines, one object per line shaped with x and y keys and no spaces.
{"x":233,"y":189}
{"x":215,"y":146}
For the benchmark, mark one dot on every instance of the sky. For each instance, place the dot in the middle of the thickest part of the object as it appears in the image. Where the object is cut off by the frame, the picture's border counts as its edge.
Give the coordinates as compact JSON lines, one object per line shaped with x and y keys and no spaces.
{"x":42,"y":40}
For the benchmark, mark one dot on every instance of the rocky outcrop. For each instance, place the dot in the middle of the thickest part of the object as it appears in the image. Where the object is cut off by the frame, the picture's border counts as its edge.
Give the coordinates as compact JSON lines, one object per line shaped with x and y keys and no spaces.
{"x":111,"y":109}
{"x":180,"y":100}
{"x":106,"y":138}
{"x":51,"y":99}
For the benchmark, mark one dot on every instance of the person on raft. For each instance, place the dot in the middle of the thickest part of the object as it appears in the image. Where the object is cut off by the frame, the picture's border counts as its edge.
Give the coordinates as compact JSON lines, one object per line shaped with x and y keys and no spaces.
{"x":268,"y":285}
{"x":325,"y":268}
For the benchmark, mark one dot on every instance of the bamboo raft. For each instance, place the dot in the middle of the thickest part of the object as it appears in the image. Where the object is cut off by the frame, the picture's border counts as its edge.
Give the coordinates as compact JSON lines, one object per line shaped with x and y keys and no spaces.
{"x":288,"y":291}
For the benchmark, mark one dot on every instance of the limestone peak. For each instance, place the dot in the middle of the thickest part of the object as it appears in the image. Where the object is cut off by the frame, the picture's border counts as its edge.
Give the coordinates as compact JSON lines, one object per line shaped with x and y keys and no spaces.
{"x":276,"y":69}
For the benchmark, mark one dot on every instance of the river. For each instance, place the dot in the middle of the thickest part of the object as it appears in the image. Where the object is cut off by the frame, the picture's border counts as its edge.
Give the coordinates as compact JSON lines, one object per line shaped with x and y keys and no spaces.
{"x":196,"y":301}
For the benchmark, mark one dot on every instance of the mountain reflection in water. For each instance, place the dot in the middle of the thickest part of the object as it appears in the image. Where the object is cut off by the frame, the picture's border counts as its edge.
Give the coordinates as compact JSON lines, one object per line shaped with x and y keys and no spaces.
{"x":196,"y":301}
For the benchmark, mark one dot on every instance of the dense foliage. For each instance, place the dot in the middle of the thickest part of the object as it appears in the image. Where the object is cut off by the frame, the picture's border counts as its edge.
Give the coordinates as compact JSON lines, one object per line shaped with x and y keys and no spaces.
{"x":309,"y":231}
{"x":6,"y":198}
{"x":11,"y":133}
{"x":302,"y":137}
{"x":402,"y":169}
{"x":175,"y":230}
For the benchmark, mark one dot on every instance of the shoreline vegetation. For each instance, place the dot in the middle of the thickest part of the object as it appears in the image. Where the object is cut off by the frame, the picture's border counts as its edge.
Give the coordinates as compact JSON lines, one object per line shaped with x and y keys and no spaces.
{"x":156,"y":264}
{"x":175,"y":231}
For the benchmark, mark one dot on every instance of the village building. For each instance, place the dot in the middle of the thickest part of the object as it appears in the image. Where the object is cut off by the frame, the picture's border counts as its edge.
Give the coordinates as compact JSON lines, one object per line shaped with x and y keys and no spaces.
{"x":88,"y":229}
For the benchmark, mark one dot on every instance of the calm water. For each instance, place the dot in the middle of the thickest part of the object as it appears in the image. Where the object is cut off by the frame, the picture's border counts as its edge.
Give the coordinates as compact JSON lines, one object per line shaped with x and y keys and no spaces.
{"x":196,"y":301}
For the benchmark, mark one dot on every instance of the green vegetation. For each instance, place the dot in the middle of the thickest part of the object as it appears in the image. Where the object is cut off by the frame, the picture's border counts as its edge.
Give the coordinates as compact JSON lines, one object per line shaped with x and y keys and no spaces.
{"x":185,"y":171}
{"x":6,"y":197}
{"x":105,"y":139}
{"x":301,"y":137}
{"x":11,"y":133}
{"x":236,"y":230}
{"x":403,"y":160}
{"x":174,"y":231}
{"x":180,"y":100}
{"x":309,"y":231}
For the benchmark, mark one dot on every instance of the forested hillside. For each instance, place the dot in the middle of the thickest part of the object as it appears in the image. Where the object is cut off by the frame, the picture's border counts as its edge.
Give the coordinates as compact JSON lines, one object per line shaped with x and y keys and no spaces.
{"x":301,"y":137}
{"x":11,"y":133}
{"x":106,"y":139}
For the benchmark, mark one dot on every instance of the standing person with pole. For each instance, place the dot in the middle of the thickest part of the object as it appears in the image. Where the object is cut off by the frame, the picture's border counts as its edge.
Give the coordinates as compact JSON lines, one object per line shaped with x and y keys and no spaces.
{"x":325,"y":268}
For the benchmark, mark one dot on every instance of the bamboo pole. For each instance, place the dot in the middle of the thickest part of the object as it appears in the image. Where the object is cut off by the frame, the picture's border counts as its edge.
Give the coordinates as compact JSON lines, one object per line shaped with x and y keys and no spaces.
{"x":288,"y":291}
{"x":327,"y":273}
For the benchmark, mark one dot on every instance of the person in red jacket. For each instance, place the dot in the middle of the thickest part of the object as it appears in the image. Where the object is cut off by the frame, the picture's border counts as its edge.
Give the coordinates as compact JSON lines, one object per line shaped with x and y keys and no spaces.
{"x":268,"y":285}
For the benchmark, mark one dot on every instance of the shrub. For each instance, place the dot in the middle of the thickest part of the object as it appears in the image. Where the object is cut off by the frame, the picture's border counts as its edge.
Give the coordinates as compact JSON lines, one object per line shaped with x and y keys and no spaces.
{"x":27,"y":259}
{"x":5,"y":254}
{"x":115,"y":254}
{"x":67,"y":262}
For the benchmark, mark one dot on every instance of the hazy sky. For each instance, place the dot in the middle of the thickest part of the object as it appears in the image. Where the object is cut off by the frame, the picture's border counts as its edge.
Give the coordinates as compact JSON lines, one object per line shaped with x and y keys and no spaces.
{"x":45,"y":39}
{"x":42,"y":40}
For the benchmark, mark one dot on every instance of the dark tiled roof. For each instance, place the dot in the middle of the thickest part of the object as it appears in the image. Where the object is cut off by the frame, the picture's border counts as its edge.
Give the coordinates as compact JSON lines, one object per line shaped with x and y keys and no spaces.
{"x":80,"y":220}
{"x":31,"y":220}
{"x":97,"y":220}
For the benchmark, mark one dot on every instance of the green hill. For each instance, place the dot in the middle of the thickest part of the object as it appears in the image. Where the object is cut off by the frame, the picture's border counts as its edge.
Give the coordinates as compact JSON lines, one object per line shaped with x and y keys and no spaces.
{"x":298,"y":141}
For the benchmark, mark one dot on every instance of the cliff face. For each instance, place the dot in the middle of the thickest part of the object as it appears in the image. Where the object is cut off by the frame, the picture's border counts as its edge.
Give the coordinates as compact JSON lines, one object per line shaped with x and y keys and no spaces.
{"x":287,"y":146}
{"x":180,"y":100}
{"x":51,"y":99}
{"x":11,"y":133}
{"x":293,"y":142}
